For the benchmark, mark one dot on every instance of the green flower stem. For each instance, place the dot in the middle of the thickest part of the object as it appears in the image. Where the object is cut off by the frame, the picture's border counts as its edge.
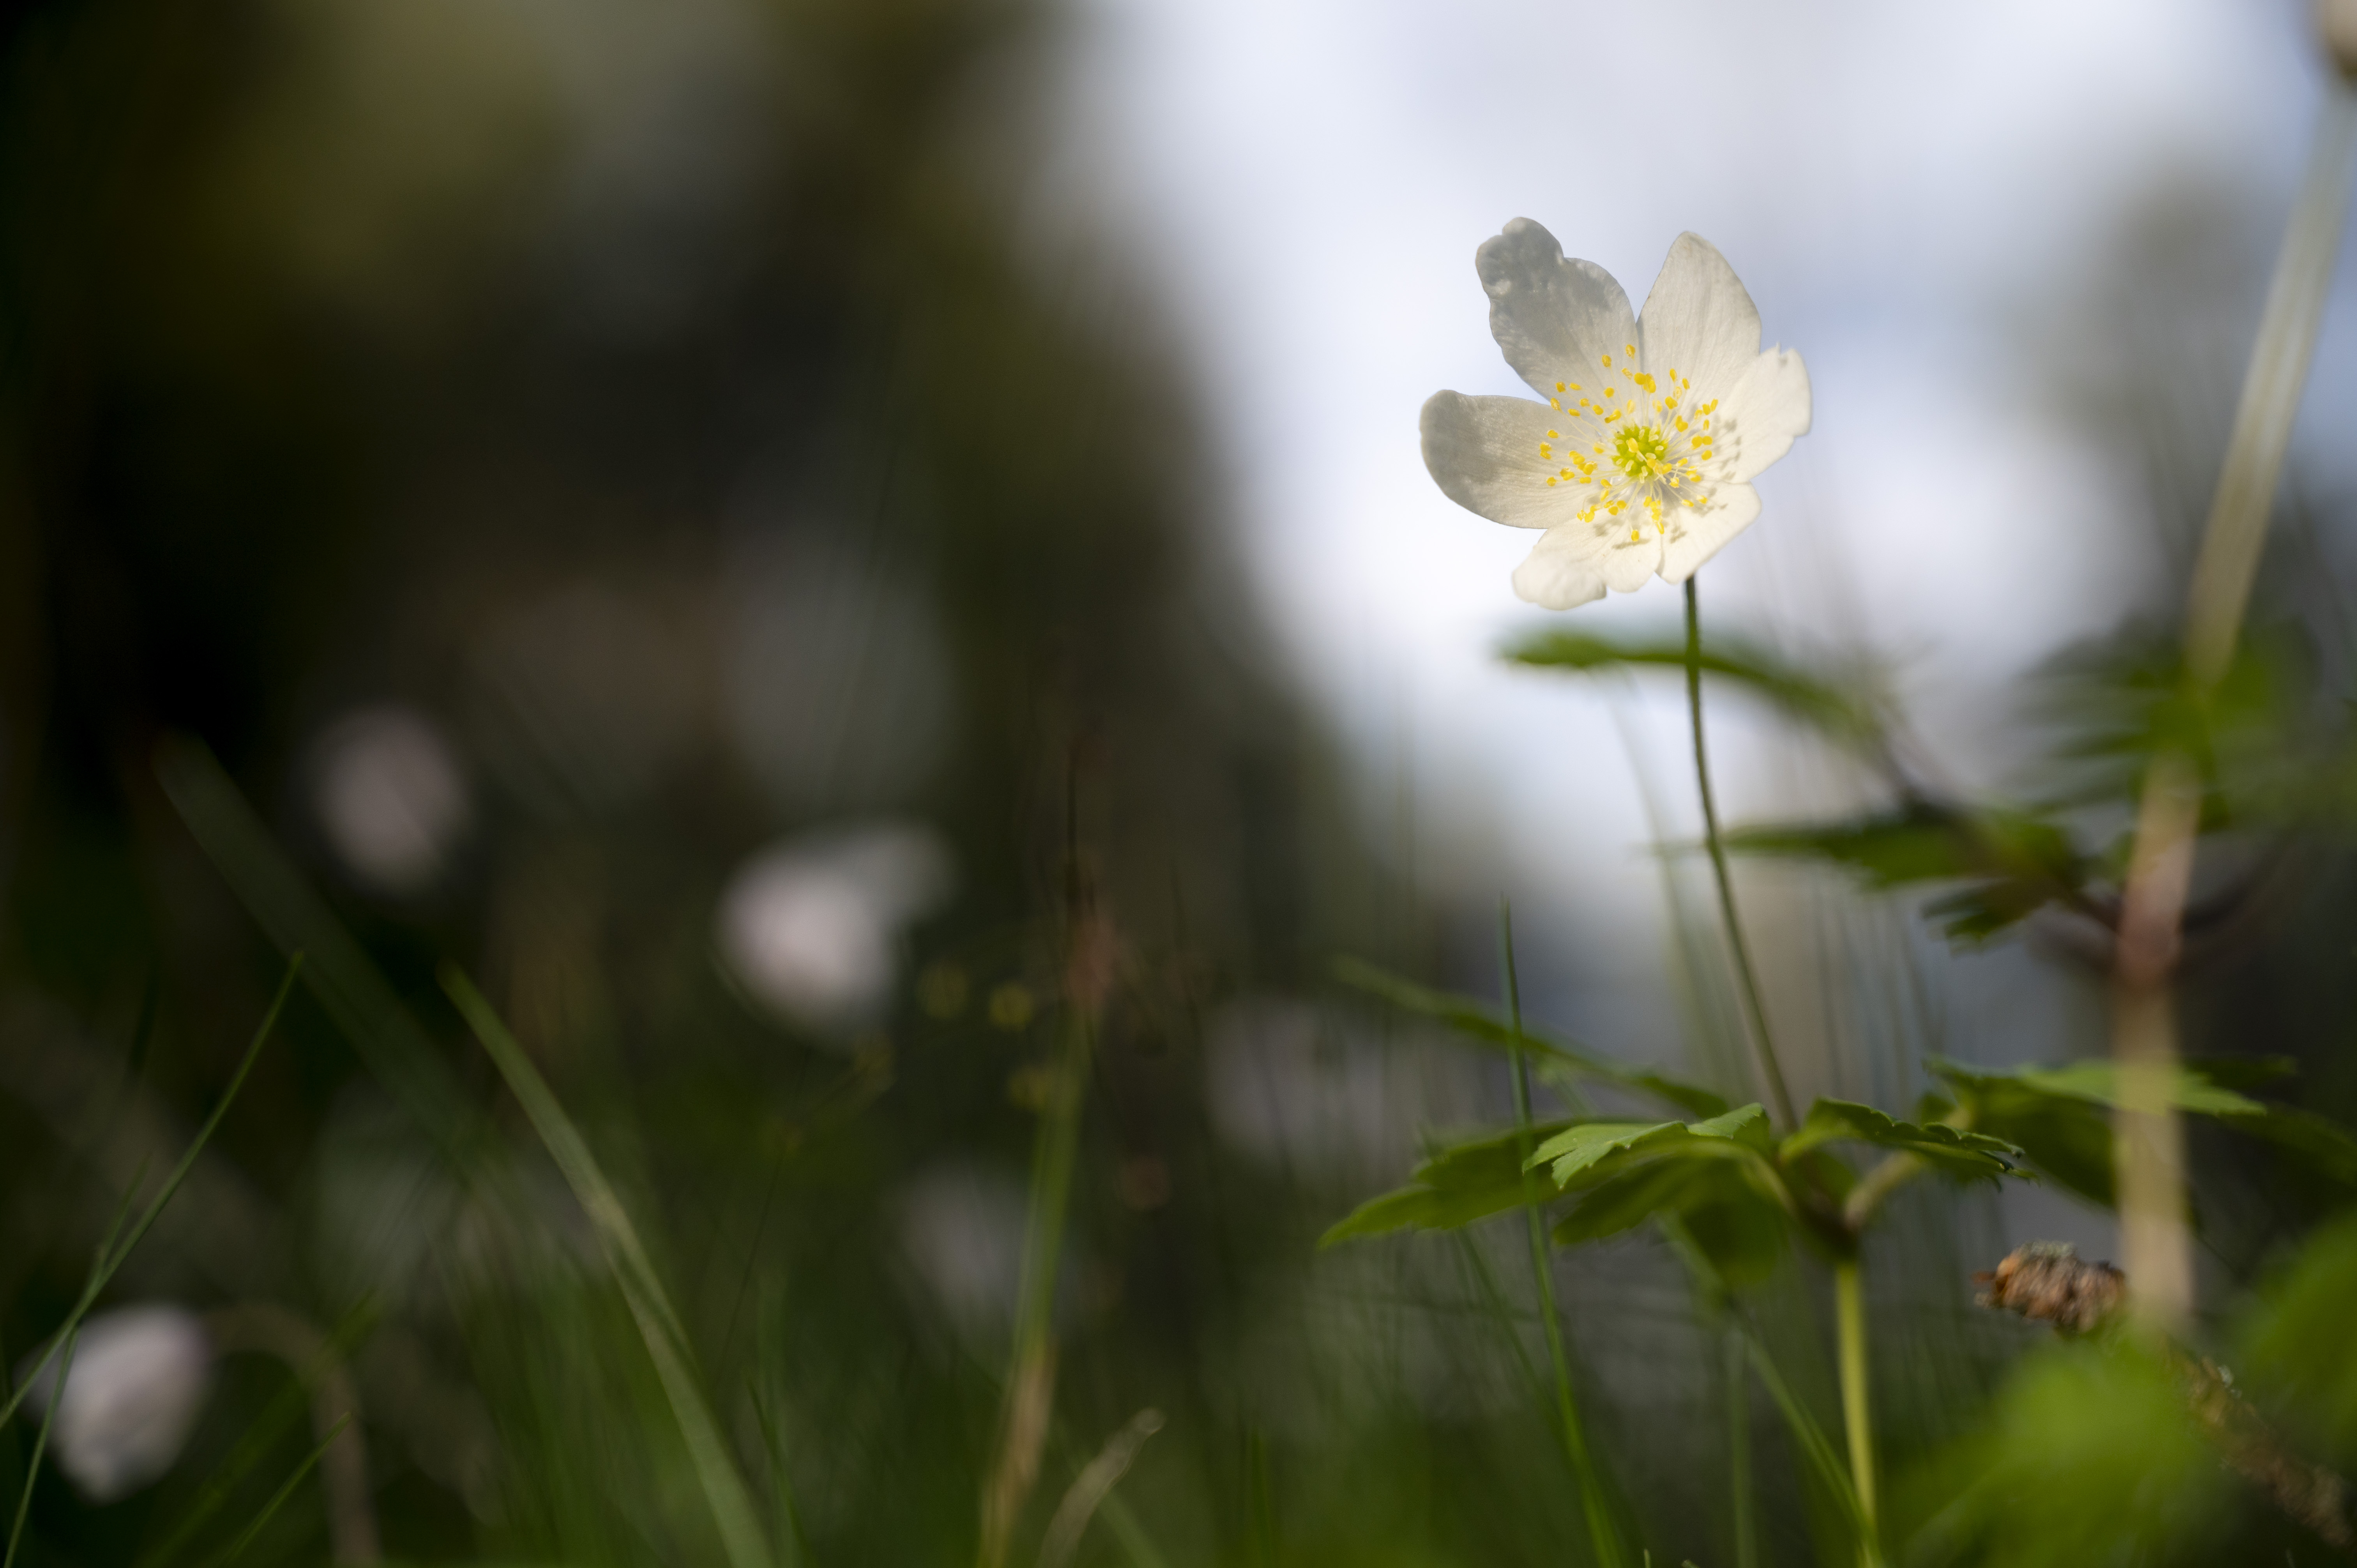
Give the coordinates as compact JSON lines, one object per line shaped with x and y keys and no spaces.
{"x":1738,"y":1449}
{"x":1849,"y":1312}
{"x":1865,"y":1199}
{"x":1593,"y":1502}
{"x":1747,"y":983}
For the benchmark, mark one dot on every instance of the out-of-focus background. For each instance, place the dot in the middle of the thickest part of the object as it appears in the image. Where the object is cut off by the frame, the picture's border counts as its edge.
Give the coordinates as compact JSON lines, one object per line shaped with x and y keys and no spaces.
{"x":743,"y":523}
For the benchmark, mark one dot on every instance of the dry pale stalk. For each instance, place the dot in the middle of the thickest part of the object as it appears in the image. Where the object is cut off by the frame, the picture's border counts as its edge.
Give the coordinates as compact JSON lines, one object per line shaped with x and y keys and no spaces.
{"x":1091,"y":965}
{"x":2148,"y":1141}
{"x":1092,"y":1485}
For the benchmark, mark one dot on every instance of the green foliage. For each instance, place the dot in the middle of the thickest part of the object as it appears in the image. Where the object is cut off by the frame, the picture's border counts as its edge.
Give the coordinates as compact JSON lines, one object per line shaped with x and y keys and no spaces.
{"x":1944,"y":1148}
{"x":2257,"y":737}
{"x":666,"y":1339}
{"x":2060,"y":1116}
{"x":2013,"y":864}
{"x":1729,"y":1209}
{"x":1454,"y":1186}
{"x":2089,"y":1453}
{"x":1478,"y":1021}
{"x":1587,"y":1154}
{"x":1843,"y":709}
{"x":2295,"y":1344}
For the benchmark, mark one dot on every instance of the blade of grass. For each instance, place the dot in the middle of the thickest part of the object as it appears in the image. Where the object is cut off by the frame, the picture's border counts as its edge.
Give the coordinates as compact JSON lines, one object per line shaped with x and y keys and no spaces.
{"x":110,"y":1262}
{"x":792,"y":1548}
{"x":1129,"y":1533}
{"x":659,"y":1326}
{"x":57,"y":1393}
{"x":279,"y":1414}
{"x":341,"y":975}
{"x":236,"y":1548}
{"x":1813,"y":1445}
{"x":41,"y":1448}
{"x":1601,"y":1532}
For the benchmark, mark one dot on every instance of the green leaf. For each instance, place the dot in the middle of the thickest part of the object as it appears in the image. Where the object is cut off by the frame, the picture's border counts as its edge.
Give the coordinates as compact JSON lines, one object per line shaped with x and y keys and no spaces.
{"x":1740,"y":1228}
{"x":1958,"y":1152}
{"x":2060,"y":1117}
{"x":2016,"y":864}
{"x":1631,"y":1198}
{"x":2295,"y":1343}
{"x":1742,"y":1233}
{"x":2323,"y":1146}
{"x":1454,"y":1186}
{"x":2098,"y":1081}
{"x":2266,"y":749}
{"x":1841,"y":708}
{"x":1589,"y":1152}
{"x":1478,"y":1021}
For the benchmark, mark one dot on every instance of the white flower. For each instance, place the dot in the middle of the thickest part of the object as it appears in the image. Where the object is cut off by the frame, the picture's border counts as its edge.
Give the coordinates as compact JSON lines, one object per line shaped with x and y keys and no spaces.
{"x":1639,"y":461}
{"x":391,"y":798}
{"x":813,"y":926}
{"x":140,"y":1375}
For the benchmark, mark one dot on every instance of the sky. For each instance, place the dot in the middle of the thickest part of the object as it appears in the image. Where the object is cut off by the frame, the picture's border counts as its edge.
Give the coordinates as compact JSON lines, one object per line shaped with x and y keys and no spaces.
{"x":1915,"y":196}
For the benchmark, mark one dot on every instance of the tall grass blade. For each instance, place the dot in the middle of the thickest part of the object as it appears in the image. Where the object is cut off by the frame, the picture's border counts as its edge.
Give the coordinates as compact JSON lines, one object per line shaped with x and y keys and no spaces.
{"x":342,"y":976}
{"x":109,"y":1263}
{"x":236,"y":1548}
{"x":41,"y":1448}
{"x":280,"y":1414}
{"x":1601,"y":1532}
{"x":659,"y":1324}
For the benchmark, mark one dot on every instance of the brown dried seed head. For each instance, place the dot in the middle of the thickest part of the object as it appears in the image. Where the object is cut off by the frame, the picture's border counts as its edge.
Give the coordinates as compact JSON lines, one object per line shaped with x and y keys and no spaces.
{"x":2049,"y":1283}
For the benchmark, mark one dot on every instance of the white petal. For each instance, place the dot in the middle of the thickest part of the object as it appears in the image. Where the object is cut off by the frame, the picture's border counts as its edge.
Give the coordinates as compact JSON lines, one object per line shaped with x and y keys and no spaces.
{"x":1695,"y":536}
{"x":1563,"y":570}
{"x":1698,"y":320}
{"x":1633,"y":561}
{"x":1483,"y":453}
{"x":1554,"y":318}
{"x":1765,"y":411}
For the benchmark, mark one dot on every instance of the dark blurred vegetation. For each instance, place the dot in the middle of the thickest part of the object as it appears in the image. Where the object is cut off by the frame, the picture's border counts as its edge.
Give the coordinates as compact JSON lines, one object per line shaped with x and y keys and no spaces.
{"x":690,"y":415}
{"x":718,"y":426}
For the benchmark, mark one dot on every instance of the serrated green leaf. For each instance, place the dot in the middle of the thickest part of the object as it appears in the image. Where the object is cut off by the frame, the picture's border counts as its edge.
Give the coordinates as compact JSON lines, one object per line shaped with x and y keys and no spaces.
{"x":1475,"y":1021}
{"x":1842,"y":709}
{"x":1588,"y":1154}
{"x":1959,"y":1153}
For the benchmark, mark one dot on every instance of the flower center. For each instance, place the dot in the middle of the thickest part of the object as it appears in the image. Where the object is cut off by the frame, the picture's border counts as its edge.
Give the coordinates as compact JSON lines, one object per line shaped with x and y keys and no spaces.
{"x":1639,"y":451}
{"x":1662,"y":441}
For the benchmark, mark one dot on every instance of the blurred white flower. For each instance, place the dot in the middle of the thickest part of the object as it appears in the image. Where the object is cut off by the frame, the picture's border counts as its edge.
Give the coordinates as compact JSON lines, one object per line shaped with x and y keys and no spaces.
{"x":961,"y":1227}
{"x":813,"y":926}
{"x":1639,"y":459}
{"x":140,"y":1376}
{"x":390,"y":797}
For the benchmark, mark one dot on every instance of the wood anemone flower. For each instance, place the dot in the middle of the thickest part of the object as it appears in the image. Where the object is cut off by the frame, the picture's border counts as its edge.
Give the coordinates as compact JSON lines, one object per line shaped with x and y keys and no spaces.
{"x":1639,"y":459}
